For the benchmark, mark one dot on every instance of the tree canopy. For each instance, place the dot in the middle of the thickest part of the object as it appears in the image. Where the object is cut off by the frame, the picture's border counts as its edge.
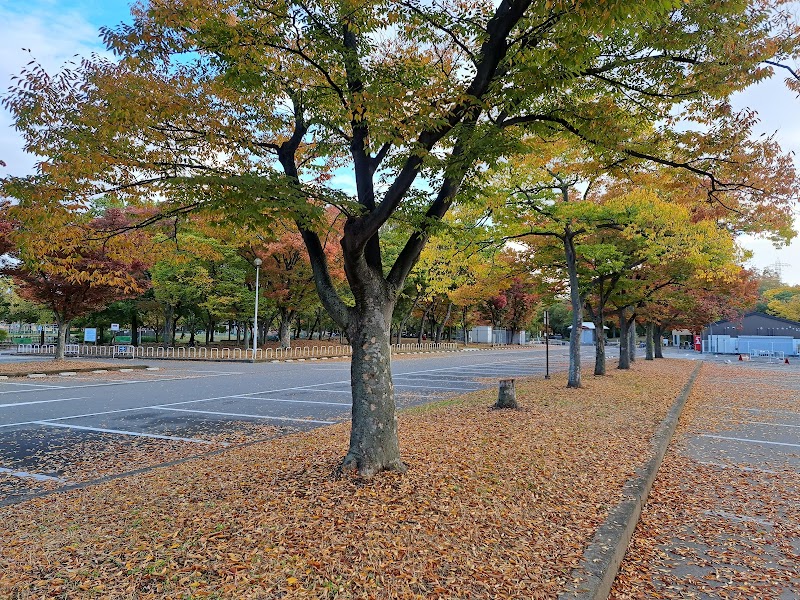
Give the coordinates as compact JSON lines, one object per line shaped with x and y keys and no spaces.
{"x":253,"y":109}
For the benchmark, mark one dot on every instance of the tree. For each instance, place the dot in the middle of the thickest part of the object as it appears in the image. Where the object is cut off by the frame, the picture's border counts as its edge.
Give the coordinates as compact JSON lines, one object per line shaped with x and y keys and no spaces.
{"x":288,"y":276}
{"x":706,"y":297}
{"x":784,"y":302}
{"x":68,"y":269}
{"x":254,"y":107}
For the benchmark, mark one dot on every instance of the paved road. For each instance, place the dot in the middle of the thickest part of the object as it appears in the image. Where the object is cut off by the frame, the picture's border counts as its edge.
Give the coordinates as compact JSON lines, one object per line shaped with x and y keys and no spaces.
{"x":62,"y":430}
{"x":723,"y":519}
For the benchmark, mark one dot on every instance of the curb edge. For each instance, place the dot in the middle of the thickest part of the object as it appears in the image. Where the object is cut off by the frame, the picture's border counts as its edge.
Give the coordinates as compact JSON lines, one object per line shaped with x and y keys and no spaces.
{"x":593,"y":579}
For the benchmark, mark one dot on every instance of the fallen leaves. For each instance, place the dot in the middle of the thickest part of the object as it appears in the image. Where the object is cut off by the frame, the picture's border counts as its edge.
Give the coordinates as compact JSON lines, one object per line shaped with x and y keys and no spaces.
{"x":728,"y":528}
{"x":50,"y":366}
{"x":496,"y":504}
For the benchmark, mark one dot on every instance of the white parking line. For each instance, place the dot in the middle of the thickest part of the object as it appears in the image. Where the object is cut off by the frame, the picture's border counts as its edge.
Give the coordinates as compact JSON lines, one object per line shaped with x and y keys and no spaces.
{"x":441,"y":377}
{"x":13,"y":404}
{"x":37,"y":388}
{"x":247,"y":396}
{"x":468,"y":367}
{"x":35,"y":476}
{"x":429,"y":379}
{"x":211,"y":412}
{"x":749,"y":441}
{"x":737,"y":467}
{"x":123,"y":432}
{"x":773,"y":424}
{"x":308,"y":390}
{"x":756,"y":410}
{"x":44,"y":388}
{"x":435,"y":387}
{"x":133,"y":409}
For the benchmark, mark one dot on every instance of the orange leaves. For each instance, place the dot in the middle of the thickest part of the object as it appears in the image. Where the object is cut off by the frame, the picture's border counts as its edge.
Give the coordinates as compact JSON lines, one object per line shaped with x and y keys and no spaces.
{"x":720,"y":525}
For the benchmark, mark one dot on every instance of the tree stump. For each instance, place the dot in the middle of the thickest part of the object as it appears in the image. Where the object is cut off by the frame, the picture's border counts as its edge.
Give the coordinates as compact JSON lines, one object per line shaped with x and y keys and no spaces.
{"x":506,"y":395}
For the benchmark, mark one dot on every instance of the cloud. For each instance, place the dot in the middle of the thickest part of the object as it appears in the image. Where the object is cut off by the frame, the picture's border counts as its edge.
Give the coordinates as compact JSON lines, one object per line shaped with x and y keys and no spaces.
{"x":51,"y":33}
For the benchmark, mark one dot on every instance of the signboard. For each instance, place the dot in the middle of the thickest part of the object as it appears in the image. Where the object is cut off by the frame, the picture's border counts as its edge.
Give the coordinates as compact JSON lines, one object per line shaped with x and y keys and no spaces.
{"x":90,"y":334}
{"x":698,"y":343}
{"x":115,"y":327}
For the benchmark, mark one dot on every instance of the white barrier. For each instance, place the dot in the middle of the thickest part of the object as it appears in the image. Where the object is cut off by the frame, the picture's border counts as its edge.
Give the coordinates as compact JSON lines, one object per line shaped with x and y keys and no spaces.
{"x":215,"y":353}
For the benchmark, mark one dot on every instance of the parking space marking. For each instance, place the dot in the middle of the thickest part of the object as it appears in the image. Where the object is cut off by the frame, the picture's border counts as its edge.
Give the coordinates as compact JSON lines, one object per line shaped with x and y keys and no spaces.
{"x":401,"y":378}
{"x":13,"y":404}
{"x":308,"y":390}
{"x":211,"y":412}
{"x":440,"y":377}
{"x":757,"y":410}
{"x":254,"y":397}
{"x":123,"y":432}
{"x":773,"y":424}
{"x":749,"y":441}
{"x":738,"y":467}
{"x":36,"y":388}
{"x":34,"y":476}
{"x":44,"y":388}
{"x":466,"y":383}
{"x":435,"y":387}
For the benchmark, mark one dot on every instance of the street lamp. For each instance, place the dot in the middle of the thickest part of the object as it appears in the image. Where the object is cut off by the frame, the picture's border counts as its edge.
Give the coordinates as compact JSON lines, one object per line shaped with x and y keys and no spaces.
{"x":547,"y":344}
{"x":257,"y":263}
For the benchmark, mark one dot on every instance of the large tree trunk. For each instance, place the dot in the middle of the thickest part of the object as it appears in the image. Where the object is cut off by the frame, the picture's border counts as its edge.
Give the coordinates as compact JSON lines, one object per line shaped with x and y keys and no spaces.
{"x":574,"y":378}
{"x":169,"y":325}
{"x":284,"y":337}
{"x":373,"y":438}
{"x":600,"y":346}
{"x":624,"y":341}
{"x":61,"y":340}
{"x":649,"y":350}
{"x":659,"y":342}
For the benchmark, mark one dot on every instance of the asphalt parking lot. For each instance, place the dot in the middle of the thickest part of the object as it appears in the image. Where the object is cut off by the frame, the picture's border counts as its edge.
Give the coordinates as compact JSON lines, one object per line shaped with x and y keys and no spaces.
{"x":757,"y":428}
{"x":63,"y":430}
{"x":723,"y":517}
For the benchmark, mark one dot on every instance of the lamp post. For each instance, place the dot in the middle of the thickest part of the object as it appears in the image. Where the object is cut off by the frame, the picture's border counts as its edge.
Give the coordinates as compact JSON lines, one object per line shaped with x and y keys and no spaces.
{"x":546,"y":344}
{"x":257,"y":263}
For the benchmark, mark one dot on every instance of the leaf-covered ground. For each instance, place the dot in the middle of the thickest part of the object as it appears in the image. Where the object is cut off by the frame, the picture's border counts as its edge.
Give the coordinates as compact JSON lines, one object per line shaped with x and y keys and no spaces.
{"x":495,"y":504}
{"x":50,"y":366}
{"x":723,"y":518}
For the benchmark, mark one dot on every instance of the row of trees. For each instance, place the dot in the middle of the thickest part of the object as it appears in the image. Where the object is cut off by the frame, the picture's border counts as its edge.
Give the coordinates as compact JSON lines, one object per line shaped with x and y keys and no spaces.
{"x":596,"y":135}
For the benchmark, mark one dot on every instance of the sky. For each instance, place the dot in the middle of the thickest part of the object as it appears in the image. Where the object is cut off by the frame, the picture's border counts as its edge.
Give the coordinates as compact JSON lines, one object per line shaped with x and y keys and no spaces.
{"x":55,"y":31}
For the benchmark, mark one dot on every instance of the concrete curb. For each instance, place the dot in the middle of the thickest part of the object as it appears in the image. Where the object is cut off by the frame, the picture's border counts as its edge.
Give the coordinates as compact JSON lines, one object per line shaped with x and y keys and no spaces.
{"x":61,"y":371}
{"x":593,"y":579}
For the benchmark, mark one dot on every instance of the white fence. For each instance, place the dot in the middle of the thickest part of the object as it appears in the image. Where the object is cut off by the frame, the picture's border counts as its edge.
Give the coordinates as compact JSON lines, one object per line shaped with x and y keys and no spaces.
{"x":770,"y":355}
{"x":203,"y":353}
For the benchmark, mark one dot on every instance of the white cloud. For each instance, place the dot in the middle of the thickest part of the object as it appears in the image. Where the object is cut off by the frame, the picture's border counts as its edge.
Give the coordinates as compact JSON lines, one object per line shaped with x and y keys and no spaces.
{"x":50,"y":34}
{"x":777,"y":111}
